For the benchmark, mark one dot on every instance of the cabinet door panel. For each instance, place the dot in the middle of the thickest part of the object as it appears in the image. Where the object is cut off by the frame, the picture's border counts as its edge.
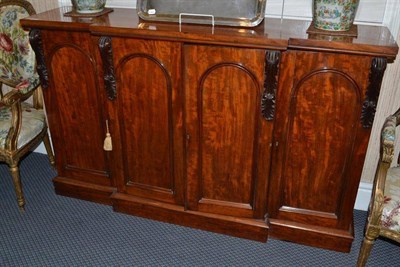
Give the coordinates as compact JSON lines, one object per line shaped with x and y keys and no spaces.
{"x":146,"y":123}
{"x":322,"y":141}
{"x":74,"y":107}
{"x":319,"y":141}
{"x":224,"y":122}
{"x":224,"y":147}
{"x":148,"y":103}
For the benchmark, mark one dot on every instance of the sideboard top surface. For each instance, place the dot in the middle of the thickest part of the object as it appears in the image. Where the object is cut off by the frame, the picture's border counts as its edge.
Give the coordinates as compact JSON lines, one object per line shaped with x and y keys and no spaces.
{"x":272,"y":33}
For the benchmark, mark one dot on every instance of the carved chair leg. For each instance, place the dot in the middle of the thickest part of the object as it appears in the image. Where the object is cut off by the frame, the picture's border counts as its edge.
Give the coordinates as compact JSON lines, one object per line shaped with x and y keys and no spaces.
{"x":47,"y":145}
{"x":365,"y":251}
{"x":14,"y":169}
{"x":371,"y":234}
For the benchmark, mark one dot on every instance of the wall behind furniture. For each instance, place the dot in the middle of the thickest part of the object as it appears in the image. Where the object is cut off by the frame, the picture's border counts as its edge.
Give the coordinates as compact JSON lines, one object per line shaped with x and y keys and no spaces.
{"x":43,"y":5}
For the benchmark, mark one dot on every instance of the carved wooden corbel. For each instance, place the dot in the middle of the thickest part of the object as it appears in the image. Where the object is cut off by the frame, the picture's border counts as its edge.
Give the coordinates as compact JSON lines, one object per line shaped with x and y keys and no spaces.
{"x":106,"y":52}
{"x":271,"y":72}
{"x":378,"y":68}
{"x":35,"y":39}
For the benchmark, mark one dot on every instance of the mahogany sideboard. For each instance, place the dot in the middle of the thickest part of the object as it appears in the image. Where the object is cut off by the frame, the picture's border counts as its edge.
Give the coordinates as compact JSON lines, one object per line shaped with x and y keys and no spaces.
{"x":250,"y":132}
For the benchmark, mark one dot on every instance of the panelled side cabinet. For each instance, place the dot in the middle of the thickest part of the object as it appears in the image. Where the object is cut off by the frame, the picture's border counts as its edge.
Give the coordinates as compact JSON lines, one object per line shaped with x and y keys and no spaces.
{"x":250,"y":132}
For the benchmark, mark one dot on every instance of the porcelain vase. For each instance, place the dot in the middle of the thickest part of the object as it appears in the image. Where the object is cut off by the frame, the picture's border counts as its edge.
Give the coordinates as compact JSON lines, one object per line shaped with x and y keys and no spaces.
{"x":88,"y":6}
{"x":334,"y":15}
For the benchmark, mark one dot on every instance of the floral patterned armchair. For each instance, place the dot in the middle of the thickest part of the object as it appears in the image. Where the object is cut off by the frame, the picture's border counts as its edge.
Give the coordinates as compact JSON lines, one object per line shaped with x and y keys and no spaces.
{"x":22,"y":125}
{"x":384,"y":209}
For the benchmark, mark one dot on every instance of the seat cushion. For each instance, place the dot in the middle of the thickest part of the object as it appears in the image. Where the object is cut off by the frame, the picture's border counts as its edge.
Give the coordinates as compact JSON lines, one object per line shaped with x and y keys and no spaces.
{"x":391,"y":209}
{"x":33,"y":121}
{"x":17,"y":58}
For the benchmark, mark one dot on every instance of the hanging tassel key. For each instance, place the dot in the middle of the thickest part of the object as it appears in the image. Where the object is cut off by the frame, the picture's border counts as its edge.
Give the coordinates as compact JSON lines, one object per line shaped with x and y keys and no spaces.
{"x":107,"y":141}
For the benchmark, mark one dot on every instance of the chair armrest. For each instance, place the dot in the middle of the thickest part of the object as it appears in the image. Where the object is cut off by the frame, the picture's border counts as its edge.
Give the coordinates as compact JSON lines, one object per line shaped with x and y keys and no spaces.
{"x":16,"y":95}
{"x":386,"y":156}
{"x":13,"y":100}
{"x":388,"y":136}
{"x":11,"y":97}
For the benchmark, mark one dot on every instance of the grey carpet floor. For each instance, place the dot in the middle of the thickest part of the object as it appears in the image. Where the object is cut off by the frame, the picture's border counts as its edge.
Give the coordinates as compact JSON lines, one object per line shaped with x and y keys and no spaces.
{"x":61,"y":231}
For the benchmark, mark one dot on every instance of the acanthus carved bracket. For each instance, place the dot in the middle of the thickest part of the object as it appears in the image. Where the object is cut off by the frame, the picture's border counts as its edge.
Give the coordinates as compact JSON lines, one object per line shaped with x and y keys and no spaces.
{"x":378,"y":68}
{"x":106,"y":52}
{"x":268,"y":101}
{"x":35,"y":39}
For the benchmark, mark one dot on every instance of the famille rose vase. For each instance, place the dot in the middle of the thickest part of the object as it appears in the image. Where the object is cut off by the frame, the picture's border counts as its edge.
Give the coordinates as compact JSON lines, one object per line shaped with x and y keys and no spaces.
{"x":334,"y":15}
{"x":88,"y":6}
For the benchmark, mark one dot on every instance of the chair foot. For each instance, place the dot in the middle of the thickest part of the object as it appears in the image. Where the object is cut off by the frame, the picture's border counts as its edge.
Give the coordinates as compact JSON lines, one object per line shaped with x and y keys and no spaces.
{"x":365,"y":251}
{"x":22,"y":208}
{"x":17,"y":186}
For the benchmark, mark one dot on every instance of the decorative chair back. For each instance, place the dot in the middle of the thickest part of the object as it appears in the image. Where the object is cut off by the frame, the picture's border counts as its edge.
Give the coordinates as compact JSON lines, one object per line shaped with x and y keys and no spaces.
{"x":17,"y":58}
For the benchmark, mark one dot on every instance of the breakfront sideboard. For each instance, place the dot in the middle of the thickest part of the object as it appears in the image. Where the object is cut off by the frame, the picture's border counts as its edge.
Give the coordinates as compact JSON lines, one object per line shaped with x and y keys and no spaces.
{"x":250,"y":132}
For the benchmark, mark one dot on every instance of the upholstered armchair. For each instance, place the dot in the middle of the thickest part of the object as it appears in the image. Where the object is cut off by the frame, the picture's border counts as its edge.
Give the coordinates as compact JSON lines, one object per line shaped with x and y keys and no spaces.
{"x":22,"y":125}
{"x":384,"y":210}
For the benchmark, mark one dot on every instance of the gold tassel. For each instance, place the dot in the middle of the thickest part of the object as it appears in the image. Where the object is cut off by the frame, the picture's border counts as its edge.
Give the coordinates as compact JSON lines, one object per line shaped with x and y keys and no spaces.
{"x":107,"y":141}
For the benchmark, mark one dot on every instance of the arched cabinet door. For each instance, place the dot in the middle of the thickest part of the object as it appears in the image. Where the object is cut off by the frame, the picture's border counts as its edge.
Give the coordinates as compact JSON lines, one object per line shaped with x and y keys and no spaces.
{"x":75,"y":113}
{"x":147,"y":106}
{"x":227,"y":146}
{"x":322,"y":140}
